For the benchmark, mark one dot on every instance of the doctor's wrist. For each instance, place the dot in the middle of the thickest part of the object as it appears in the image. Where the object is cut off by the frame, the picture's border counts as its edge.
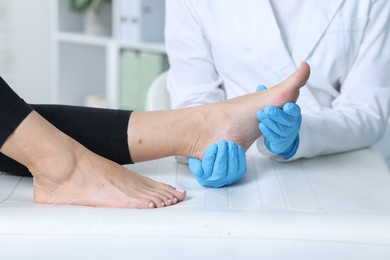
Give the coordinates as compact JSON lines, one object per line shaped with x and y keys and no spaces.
{"x":291,"y":150}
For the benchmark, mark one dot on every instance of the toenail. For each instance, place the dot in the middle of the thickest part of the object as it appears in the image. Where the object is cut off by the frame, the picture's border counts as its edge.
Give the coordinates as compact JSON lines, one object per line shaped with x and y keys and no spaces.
{"x":151,"y":205}
{"x":179,"y":190}
{"x":175,"y":200}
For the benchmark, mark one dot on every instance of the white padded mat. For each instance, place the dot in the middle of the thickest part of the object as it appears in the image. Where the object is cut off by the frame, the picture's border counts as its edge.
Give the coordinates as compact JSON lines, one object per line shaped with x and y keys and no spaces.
{"x":332,"y":207}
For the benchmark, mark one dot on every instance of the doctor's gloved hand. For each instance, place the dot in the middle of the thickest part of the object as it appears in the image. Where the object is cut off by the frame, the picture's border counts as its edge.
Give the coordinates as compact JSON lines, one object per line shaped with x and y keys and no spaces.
{"x":222,"y":164}
{"x":280,"y":128}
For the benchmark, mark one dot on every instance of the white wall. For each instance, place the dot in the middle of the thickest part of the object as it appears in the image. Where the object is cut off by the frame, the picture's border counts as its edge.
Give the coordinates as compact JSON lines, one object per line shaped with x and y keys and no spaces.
{"x":28,"y":64}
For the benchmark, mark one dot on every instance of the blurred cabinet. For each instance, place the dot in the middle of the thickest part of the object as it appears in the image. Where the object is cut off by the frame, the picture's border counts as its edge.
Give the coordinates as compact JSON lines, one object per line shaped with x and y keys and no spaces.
{"x":138,"y":70}
{"x":141,"y":20}
{"x":109,"y":67}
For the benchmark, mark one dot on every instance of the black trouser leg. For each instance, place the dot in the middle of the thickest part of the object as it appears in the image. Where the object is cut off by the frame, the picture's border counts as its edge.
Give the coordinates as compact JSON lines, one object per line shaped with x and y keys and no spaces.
{"x":103,"y":131}
{"x":13,"y":110}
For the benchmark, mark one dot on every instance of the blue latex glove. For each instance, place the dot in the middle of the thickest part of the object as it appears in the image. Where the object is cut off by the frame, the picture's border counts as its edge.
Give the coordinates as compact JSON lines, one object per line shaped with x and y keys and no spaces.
{"x":280,"y":128}
{"x":261,"y":88}
{"x":221,"y":165}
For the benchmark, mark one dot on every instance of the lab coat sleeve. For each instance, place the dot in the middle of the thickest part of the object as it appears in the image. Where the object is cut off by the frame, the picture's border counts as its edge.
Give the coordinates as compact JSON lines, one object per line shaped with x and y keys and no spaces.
{"x":358,"y":116}
{"x":192,"y":78}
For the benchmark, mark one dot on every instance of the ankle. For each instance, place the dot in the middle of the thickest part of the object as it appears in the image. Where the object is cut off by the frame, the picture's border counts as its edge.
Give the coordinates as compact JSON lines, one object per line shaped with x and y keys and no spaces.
{"x":199,"y":130}
{"x":55,"y":160}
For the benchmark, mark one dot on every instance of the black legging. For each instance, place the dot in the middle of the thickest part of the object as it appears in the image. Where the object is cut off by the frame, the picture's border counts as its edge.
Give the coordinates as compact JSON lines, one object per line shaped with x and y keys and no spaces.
{"x":103,"y":131}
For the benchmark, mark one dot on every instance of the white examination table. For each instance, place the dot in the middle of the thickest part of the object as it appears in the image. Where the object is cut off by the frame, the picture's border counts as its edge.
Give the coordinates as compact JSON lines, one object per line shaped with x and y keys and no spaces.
{"x":332,"y":207}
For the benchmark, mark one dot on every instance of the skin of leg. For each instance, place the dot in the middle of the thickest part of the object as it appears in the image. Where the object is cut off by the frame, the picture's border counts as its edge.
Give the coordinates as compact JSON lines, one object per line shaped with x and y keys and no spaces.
{"x":189,"y":131}
{"x":65,"y":172}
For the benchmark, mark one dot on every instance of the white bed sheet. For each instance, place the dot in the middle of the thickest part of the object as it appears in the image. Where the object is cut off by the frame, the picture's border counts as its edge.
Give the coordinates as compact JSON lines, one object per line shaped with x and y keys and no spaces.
{"x":331,"y":207}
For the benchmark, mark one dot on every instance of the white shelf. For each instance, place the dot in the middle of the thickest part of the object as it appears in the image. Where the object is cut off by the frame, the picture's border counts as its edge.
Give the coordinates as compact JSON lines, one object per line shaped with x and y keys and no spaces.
{"x":146,"y":47}
{"x":80,"y":38}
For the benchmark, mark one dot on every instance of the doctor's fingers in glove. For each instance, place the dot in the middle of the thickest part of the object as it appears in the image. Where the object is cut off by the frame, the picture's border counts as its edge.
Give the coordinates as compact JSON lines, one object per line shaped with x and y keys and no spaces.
{"x":283,"y":122}
{"x":222,"y":164}
{"x":291,"y":111}
{"x":261,"y":88}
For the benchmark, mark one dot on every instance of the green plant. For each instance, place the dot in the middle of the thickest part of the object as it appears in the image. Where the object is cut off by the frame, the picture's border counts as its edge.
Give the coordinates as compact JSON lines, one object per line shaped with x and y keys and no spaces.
{"x":84,"y":5}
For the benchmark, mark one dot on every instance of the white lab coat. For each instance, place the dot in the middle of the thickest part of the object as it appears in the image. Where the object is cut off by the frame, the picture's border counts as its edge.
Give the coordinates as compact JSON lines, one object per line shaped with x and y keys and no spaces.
{"x":220,"y":49}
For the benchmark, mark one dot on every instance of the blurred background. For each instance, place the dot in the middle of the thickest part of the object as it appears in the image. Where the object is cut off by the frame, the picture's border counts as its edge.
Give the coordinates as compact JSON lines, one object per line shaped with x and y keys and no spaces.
{"x":102,"y":53}
{"x":25,"y":43}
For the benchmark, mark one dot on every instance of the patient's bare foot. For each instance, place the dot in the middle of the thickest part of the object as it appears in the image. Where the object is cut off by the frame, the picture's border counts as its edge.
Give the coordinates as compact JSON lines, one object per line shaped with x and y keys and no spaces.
{"x":65,"y":172}
{"x":235,"y":119}
{"x":84,"y":178}
{"x":189,"y":131}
